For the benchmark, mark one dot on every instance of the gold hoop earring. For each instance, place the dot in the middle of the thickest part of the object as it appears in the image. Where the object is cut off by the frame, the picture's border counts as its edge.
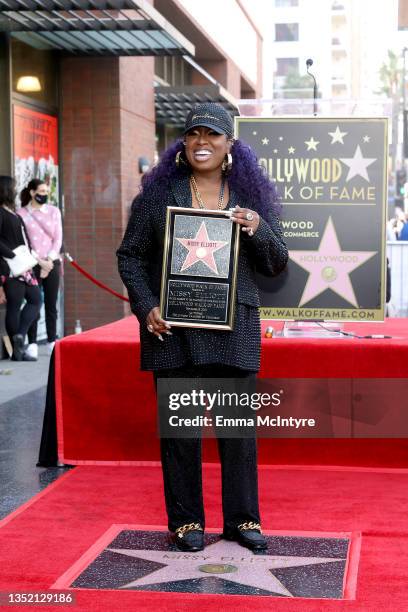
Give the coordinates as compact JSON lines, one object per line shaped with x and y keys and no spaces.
{"x":227,"y":163}
{"x":179,"y":159}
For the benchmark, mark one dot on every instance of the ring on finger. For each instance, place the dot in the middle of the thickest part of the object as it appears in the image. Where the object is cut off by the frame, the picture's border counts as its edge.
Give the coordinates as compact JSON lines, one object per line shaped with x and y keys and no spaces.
{"x":249,"y":216}
{"x":150,"y":328}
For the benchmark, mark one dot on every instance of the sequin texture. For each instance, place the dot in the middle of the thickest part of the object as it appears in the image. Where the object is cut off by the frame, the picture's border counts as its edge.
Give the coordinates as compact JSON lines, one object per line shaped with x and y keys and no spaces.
{"x":140,"y":264}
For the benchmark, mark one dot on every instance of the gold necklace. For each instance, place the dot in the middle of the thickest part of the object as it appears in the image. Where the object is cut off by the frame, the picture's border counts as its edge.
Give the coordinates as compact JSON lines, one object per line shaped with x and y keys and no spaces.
{"x":201,"y":204}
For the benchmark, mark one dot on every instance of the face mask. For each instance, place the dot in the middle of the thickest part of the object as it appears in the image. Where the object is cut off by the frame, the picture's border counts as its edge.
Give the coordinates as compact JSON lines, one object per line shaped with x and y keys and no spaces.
{"x":41,"y":199}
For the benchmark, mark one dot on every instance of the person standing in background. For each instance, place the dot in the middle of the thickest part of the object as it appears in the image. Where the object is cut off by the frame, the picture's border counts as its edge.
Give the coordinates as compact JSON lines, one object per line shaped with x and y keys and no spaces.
{"x":15,"y":290}
{"x":44,"y":227}
{"x":404,"y":230}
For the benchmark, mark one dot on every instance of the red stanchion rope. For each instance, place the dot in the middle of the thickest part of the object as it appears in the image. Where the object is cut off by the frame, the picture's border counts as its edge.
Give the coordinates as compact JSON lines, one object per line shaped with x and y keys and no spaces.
{"x":94,"y":280}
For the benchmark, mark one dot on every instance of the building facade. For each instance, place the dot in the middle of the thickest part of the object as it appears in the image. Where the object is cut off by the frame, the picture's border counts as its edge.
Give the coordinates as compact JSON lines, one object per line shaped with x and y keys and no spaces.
{"x":347,"y":40}
{"x":89,"y":98}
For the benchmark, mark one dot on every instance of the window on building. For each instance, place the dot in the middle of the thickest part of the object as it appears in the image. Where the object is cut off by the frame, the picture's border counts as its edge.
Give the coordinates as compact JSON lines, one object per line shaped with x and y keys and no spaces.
{"x":284,"y":65}
{"x":286,"y":3}
{"x":339,"y":90}
{"x":286,"y":32}
{"x":34,"y":73}
{"x":173,"y":69}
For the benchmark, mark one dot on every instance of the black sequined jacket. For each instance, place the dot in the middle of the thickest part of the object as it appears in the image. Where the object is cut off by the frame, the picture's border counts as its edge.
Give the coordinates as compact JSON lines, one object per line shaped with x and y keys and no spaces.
{"x":140,"y":263}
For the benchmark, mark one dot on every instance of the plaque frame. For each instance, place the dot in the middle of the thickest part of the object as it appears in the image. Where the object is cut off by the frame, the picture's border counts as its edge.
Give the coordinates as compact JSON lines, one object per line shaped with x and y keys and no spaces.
{"x":168,"y":276}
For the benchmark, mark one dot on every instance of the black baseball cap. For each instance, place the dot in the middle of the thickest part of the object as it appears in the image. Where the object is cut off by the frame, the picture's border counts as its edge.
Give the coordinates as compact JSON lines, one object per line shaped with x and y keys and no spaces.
{"x":210,"y":115}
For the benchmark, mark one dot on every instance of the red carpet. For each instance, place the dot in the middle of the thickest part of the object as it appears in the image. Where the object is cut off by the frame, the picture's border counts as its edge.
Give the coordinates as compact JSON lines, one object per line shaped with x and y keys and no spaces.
{"x":43,"y":539}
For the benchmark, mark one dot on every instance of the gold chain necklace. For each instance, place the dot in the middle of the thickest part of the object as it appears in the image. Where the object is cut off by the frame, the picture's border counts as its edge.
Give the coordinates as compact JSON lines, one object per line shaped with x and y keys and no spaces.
{"x":201,"y":204}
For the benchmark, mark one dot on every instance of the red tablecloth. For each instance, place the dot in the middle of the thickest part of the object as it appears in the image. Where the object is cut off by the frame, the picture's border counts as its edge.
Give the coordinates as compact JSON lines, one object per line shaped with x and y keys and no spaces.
{"x":106,"y":410}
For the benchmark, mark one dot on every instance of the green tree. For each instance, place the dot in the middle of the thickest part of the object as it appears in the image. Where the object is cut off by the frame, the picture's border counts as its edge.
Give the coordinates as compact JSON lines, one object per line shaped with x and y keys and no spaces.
{"x":297,"y":85}
{"x":390,"y":75}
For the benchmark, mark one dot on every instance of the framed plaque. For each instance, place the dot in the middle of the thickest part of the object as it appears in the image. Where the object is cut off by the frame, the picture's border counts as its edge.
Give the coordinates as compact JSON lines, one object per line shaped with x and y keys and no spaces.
{"x":199,"y":268}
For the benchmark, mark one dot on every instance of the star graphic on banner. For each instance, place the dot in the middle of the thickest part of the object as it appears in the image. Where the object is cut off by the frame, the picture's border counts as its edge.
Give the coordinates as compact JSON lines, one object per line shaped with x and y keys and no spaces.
{"x":329,"y":267}
{"x":265,"y":141}
{"x":358,"y":164}
{"x":254,"y":133}
{"x":366,"y":138}
{"x":275,"y":150}
{"x":280,"y":137}
{"x":201,"y":248}
{"x":223,"y":560}
{"x":337,"y":135}
{"x":312,"y":144}
{"x":291,"y":150}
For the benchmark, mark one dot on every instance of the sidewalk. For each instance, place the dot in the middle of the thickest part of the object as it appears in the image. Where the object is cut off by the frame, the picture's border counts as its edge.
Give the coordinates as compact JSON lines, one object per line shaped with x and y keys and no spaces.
{"x":22,"y":402}
{"x":21,"y":377}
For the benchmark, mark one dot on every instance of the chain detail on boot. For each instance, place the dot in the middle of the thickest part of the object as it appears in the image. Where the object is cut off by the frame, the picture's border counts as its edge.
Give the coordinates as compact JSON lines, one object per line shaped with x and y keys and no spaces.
{"x":188,"y":527}
{"x":249,"y":525}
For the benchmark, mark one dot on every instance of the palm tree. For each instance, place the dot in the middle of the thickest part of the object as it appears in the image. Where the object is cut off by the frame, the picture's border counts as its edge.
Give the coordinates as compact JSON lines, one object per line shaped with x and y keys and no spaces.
{"x":390,"y":76}
{"x":392,"y":80}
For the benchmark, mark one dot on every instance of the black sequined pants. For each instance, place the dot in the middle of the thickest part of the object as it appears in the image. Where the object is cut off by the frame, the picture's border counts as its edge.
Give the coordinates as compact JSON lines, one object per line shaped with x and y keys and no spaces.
{"x":181,"y":464}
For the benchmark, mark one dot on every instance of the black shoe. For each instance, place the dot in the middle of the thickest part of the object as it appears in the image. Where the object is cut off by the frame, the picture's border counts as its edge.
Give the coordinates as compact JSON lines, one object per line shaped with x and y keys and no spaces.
{"x":190,"y":537}
{"x":248,"y":535}
{"x":18,"y":347}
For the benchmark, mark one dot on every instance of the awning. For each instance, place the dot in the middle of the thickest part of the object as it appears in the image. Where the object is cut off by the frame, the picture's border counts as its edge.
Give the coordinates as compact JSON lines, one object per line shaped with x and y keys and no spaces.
{"x":173,"y":103}
{"x":93,"y":27}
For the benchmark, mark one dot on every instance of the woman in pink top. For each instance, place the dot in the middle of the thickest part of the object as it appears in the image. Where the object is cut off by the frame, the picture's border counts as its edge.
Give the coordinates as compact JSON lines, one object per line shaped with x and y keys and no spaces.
{"x":44,"y":227}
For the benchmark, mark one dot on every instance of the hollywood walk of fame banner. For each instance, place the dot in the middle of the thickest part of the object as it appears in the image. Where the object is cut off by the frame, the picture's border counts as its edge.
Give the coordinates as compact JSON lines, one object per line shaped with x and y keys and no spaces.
{"x":330,"y":174}
{"x":199,"y":268}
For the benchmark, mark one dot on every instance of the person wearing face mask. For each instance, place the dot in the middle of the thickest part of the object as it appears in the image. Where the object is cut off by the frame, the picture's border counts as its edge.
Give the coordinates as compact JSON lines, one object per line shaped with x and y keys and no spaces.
{"x":44,"y":227}
{"x":207,"y":169}
{"x":14,"y":290}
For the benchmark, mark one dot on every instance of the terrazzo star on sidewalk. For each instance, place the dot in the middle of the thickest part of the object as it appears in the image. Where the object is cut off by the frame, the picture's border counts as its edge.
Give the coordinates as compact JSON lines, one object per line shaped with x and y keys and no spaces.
{"x":208,"y":169}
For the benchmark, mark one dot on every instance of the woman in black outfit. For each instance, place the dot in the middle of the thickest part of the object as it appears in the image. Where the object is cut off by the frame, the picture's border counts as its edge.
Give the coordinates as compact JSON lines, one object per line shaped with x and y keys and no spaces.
{"x":208,"y":169}
{"x":24,"y":287}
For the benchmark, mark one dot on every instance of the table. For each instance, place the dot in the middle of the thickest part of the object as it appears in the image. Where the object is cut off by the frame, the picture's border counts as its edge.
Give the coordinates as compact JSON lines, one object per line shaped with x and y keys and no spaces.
{"x":105,"y":407}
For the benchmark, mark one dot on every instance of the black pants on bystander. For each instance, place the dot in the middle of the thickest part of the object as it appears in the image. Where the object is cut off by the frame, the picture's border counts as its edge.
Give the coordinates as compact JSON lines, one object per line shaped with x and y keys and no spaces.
{"x":50,"y":286}
{"x":19,"y":320}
